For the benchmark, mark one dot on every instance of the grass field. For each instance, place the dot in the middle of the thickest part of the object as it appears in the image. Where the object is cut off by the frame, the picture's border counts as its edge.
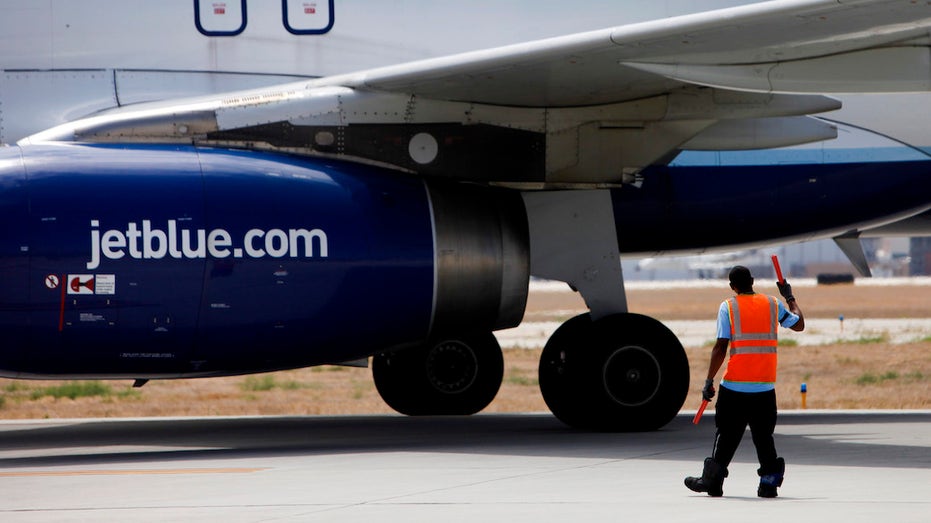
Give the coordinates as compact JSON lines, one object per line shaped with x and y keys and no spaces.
{"x":869,"y":373}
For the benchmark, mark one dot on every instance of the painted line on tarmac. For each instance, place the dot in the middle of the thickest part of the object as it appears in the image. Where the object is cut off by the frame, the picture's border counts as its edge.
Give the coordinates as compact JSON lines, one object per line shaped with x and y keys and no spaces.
{"x":129,"y":472}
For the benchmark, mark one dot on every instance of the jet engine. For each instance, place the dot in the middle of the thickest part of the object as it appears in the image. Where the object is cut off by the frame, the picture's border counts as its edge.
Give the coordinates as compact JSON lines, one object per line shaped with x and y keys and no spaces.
{"x":165,"y":261}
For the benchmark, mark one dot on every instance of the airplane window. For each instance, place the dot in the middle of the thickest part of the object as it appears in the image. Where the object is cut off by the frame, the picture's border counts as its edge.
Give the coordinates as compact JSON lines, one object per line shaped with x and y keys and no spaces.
{"x":303,"y":17}
{"x":220,"y":17}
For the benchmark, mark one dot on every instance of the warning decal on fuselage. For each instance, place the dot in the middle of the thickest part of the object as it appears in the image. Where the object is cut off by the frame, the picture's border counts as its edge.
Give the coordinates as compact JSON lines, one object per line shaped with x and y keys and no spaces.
{"x":90,"y":284}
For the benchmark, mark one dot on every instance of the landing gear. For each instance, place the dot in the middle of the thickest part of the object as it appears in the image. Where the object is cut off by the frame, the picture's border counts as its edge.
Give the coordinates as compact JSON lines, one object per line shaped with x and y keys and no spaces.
{"x":624,"y":372}
{"x":447,"y":376}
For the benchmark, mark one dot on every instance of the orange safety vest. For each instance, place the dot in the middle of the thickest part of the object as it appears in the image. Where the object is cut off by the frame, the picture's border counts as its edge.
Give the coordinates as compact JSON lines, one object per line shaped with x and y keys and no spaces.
{"x":753,"y":339}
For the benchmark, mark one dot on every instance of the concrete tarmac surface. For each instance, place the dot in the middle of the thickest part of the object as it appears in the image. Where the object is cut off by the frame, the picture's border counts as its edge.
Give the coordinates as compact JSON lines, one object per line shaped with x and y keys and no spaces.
{"x":841,"y":466}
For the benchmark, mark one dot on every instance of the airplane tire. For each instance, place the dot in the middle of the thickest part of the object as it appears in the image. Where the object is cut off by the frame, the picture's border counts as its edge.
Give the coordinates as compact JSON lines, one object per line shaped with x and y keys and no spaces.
{"x":448,"y":376}
{"x":624,"y":372}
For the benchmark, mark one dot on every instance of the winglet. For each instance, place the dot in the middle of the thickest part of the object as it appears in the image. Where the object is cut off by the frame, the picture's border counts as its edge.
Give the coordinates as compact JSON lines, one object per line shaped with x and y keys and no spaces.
{"x":850,"y":244}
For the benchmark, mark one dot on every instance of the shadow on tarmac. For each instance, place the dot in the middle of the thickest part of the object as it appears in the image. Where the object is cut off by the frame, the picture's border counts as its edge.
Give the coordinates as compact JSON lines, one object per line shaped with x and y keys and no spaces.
{"x":835,"y":439}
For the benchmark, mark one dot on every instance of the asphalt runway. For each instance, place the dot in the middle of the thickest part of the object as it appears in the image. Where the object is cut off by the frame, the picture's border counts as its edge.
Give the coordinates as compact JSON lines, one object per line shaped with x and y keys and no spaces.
{"x":841,"y":466}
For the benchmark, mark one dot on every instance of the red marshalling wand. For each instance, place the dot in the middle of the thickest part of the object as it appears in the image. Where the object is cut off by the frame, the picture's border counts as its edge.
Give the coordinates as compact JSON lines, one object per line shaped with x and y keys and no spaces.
{"x":778,"y":269}
{"x":701,"y":410}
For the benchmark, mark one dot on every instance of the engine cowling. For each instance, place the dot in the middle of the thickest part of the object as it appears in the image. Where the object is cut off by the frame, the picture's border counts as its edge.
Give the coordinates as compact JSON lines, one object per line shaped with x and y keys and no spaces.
{"x":155,"y":261}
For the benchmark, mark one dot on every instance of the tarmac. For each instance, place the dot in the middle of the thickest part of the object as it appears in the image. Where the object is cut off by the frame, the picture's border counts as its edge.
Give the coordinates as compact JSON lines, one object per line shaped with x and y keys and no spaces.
{"x":841,"y":466}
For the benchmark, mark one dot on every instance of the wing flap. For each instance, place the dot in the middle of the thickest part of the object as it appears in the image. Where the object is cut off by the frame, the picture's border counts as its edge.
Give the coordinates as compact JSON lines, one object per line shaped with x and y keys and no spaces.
{"x":761,"y":133}
{"x":889,"y":69}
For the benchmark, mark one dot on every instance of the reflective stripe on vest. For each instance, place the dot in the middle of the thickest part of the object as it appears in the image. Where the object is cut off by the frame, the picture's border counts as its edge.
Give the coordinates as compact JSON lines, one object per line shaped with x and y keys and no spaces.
{"x":753,"y":339}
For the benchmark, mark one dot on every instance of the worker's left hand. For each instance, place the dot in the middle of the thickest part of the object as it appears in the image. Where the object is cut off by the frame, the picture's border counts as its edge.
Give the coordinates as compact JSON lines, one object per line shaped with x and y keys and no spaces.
{"x":707,"y":392}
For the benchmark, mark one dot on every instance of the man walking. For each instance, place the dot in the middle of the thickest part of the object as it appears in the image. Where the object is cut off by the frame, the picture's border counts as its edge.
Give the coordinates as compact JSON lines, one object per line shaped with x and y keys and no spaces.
{"x":747,"y":322}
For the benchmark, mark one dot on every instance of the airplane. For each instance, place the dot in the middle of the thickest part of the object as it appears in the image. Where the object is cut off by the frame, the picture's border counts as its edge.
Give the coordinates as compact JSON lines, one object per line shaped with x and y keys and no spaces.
{"x":709,"y":266}
{"x":214,"y":188}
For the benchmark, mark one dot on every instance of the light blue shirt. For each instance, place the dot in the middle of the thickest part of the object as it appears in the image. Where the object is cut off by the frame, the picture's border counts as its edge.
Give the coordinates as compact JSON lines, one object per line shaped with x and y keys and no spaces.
{"x":786,"y":318}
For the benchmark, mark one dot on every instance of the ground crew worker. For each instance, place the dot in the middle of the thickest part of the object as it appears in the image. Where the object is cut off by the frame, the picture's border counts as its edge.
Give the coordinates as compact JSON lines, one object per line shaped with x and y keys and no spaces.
{"x":746,"y":322}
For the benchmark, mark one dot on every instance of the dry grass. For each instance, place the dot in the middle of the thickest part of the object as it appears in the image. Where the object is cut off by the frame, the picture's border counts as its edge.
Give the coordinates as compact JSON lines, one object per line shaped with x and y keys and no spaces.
{"x":838,"y":376}
{"x":857,"y":375}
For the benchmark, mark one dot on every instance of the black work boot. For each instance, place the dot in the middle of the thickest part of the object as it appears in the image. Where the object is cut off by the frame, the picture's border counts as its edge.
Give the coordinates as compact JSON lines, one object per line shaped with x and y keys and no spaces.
{"x":711,"y":480}
{"x":771,"y":479}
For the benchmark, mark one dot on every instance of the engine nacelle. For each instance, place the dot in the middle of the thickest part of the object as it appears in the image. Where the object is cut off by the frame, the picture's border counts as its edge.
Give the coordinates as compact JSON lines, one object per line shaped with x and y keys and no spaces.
{"x":482,"y":258}
{"x":154,"y":261}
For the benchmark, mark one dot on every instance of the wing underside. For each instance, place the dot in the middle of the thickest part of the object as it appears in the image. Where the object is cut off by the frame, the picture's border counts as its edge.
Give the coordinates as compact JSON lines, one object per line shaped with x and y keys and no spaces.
{"x":589,"y":109}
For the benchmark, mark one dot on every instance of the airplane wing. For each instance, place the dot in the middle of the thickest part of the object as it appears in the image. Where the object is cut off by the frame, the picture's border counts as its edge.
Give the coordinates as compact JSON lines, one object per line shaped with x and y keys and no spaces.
{"x":589,"y":109}
{"x":810,"y":46}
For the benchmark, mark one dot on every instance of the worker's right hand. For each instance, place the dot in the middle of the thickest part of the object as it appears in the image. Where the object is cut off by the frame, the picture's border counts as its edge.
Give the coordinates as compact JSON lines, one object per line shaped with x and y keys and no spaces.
{"x":707,"y":392}
{"x":786,"y":290}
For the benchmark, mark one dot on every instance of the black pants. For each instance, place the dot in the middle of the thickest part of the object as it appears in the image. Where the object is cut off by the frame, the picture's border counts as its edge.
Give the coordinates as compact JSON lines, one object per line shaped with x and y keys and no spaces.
{"x":733,"y":412}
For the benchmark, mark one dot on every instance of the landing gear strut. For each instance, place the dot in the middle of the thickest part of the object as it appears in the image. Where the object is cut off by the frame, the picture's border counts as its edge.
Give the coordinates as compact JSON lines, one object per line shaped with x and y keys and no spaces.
{"x":623,"y":372}
{"x":447,"y":376}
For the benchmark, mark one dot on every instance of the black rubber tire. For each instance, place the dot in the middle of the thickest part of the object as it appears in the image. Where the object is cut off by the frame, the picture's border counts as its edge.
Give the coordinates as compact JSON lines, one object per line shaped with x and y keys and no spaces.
{"x":449,"y":376}
{"x":624,"y":372}
{"x":562,"y":372}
